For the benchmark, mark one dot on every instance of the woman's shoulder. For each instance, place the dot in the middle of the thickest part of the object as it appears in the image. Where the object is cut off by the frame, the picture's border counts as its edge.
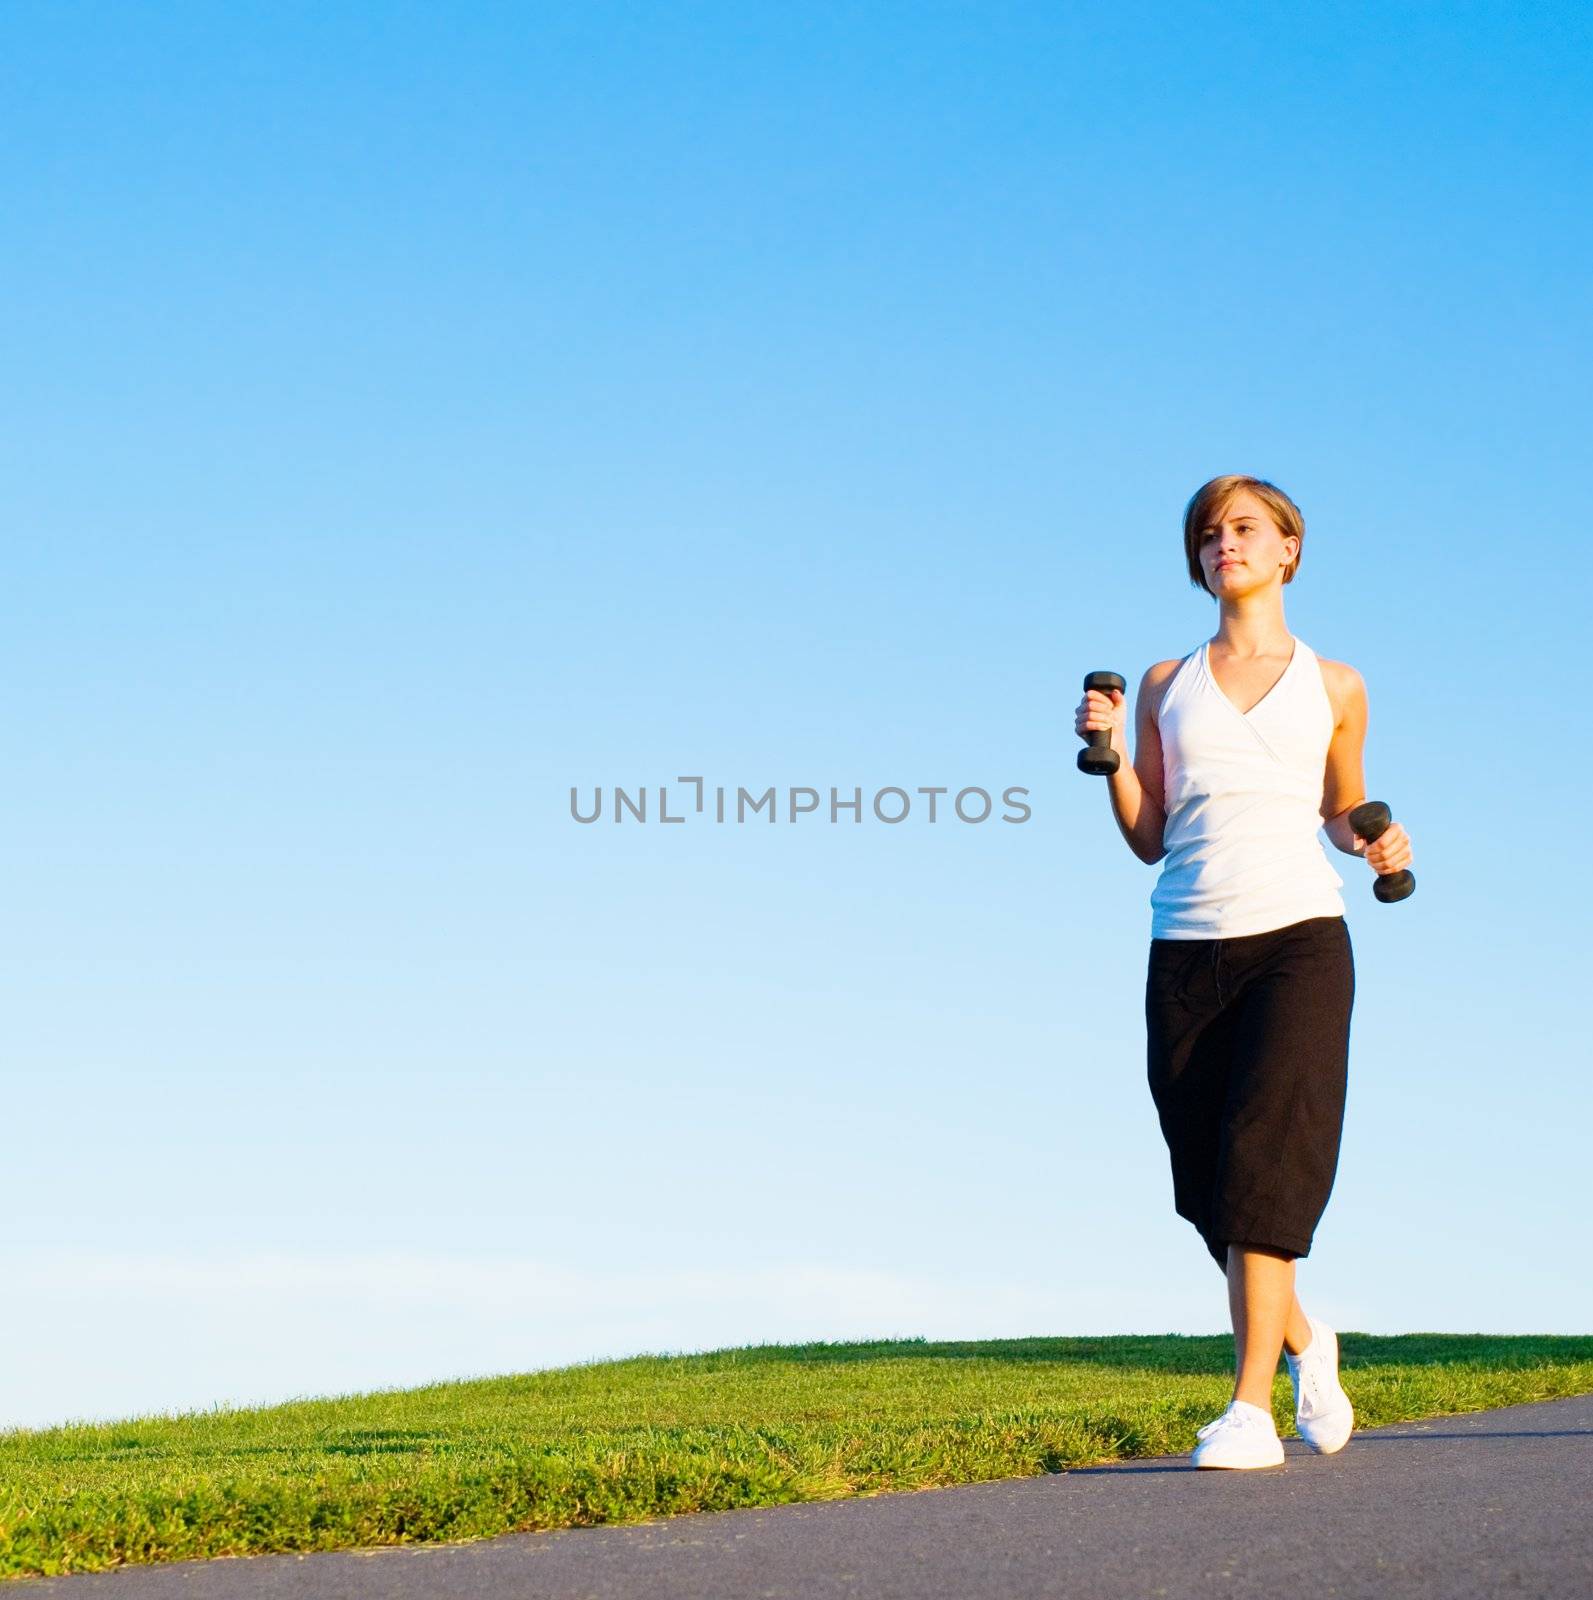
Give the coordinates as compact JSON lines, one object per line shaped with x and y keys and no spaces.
{"x":1345,"y":686}
{"x":1158,"y":672}
{"x":1153,"y":685}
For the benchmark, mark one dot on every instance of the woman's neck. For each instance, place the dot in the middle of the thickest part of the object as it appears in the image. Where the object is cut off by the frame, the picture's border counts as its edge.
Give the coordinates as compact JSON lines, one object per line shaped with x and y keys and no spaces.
{"x":1253,"y":630}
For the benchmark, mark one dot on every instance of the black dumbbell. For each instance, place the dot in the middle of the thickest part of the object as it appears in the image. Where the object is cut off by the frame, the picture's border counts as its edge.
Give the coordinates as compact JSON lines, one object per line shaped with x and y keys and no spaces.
{"x":1097,"y":756}
{"x":1369,"y":820}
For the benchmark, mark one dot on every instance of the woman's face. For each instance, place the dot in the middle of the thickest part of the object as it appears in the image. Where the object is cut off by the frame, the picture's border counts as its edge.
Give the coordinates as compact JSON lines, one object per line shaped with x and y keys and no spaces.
{"x":1246,"y":549}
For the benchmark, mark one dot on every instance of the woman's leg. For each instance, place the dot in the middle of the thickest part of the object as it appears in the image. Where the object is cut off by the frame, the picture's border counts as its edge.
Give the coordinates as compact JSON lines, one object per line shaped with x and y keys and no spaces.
{"x":1293,"y":991}
{"x":1264,"y":1309}
{"x":1296,"y":1331}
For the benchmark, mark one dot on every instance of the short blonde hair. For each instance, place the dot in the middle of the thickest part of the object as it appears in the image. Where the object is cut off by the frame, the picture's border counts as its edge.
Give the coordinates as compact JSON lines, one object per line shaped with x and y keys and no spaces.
{"x":1208,"y":504}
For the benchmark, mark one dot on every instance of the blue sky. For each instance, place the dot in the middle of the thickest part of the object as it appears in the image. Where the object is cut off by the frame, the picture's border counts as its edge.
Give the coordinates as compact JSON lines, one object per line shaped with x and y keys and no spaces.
{"x":413,"y":413}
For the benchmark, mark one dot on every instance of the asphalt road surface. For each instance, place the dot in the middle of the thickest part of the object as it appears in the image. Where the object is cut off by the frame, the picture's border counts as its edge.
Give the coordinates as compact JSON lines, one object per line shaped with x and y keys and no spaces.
{"x":1491,"y":1503}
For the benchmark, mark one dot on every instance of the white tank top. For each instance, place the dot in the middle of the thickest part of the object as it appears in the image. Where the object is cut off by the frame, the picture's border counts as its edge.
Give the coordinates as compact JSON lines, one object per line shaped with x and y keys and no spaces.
{"x":1244,"y":796}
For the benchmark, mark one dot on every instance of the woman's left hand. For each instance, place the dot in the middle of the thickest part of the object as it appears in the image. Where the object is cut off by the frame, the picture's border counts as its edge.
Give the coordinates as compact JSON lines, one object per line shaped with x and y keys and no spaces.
{"x":1390,"y":851}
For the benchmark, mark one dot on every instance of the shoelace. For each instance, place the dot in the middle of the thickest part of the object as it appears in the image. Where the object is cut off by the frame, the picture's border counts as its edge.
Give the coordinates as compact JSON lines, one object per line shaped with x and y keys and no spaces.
{"x":1231,"y":1418}
{"x":1312,"y":1389}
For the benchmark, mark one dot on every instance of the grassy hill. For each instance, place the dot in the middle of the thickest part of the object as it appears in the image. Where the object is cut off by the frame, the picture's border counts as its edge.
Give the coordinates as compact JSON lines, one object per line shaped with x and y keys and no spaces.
{"x":655,"y":1436}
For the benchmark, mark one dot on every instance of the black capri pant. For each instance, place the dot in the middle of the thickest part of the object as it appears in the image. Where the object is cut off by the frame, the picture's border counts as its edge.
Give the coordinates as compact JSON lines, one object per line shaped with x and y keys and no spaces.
{"x":1247,"y":1041}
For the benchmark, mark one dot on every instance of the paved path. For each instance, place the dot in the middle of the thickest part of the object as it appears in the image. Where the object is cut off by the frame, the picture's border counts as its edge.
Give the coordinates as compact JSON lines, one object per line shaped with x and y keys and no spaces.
{"x":1492,"y":1503}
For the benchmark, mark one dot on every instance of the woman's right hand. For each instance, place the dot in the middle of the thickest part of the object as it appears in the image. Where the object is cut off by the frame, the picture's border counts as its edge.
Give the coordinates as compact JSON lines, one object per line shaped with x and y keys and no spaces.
{"x":1098,"y":710}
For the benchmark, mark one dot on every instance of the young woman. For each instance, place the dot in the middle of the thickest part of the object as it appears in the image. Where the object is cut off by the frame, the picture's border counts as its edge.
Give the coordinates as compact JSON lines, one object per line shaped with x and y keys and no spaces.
{"x":1243,"y":750}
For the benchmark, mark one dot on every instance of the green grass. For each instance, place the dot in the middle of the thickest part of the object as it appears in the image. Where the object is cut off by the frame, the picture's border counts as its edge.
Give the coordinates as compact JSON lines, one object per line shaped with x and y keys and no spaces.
{"x":652,"y":1436}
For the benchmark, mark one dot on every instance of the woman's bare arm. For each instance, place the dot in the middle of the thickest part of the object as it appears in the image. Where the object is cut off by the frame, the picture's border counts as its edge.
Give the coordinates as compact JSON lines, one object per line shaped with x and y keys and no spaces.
{"x":1344,"y":788}
{"x":1343,"y":784}
{"x":1135,"y":788}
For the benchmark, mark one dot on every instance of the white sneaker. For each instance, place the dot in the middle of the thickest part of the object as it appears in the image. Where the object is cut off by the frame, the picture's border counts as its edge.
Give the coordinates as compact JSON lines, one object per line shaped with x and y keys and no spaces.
{"x":1322,"y":1410}
{"x":1243,"y":1436}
